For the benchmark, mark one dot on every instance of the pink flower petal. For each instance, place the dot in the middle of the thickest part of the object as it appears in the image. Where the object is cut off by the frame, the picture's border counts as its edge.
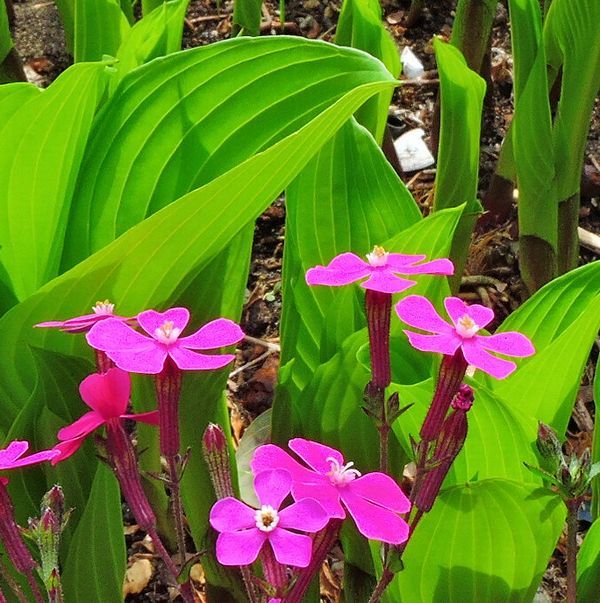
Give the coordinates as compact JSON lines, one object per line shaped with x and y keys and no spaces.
{"x":66,"y":449}
{"x":446,"y":343}
{"x":306,"y":515}
{"x":382,"y":490}
{"x":240,"y":548}
{"x":441,"y":266}
{"x":510,"y":343}
{"x":457,"y":308}
{"x":272,"y":486}
{"x":323,"y":491}
{"x":270,"y":456}
{"x":479,"y":358}
{"x":342,"y":270}
{"x":107,"y":393}
{"x":315,"y":454}
{"x":417,"y":311}
{"x":291,"y":549}
{"x":149,"y":359}
{"x":375,"y":522}
{"x":231,"y":515}
{"x":13,"y":451}
{"x":82,"y":427}
{"x":151,"y":418}
{"x":386,"y":282}
{"x":215,"y":334}
{"x":187,"y":360}
{"x":399,"y":261}
{"x":113,"y":334}
{"x":150,"y":320}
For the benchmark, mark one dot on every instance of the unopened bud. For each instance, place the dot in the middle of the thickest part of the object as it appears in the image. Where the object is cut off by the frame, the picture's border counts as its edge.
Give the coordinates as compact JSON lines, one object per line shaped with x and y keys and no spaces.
{"x":550,"y":449}
{"x":216,"y":455}
{"x":464,"y":398}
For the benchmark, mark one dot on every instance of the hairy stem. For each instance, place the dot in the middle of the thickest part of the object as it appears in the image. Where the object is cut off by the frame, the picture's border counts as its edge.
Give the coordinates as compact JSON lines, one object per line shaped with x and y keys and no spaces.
{"x":573,"y":508}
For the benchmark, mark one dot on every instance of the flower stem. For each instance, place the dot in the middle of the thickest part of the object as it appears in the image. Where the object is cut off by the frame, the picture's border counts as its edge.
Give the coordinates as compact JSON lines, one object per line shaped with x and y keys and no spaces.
{"x":573,"y":508}
{"x":322,"y":544}
{"x":37,"y":595}
{"x":275,"y":573}
{"x":386,"y":578}
{"x":12,"y":584}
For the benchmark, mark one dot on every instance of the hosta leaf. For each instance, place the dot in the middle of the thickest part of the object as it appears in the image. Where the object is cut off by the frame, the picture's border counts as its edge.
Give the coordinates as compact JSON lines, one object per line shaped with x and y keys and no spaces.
{"x":5,"y":39}
{"x":247,"y":16}
{"x":461,"y":101}
{"x":46,"y":136}
{"x":360,"y":26}
{"x":99,"y":537}
{"x":179,"y":121}
{"x":465,"y":548}
{"x":596,"y":446}
{"x":588,"y":565}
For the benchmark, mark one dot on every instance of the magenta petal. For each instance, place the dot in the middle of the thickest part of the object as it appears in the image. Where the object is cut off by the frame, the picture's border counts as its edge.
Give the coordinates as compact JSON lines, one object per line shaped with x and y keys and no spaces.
{"x":417,"y":311}
{"x":291,"y":549}
{"x":457,"y":308}
{"x":342,"y":270}
{"x":441,"y":266}
{"x":187,"y":360}
{"x":315,"y":454}
{"x":82,"y":427}
{"x":107,"y":393}
{"x":306,"y":515}
{"x":151,"y":417}
{"x":150,"y":320}
{"x":215,"y":334}
{"x":375,"y":522}
{"x":479,"y":358}
{"x":323,"y":491}
{"x":240,"y":548}
{"x":114,"y":334}
{"x":231,"y":515}
{"x":399,"y":261}
{"x":272,"y":486}
{"x":32,"y":459}
{"x":446,"y":343}
{"x":13,"y":451}
{"x":386,"y":282}
{"x":382,"y":490}
{"x":270,"y":456}
{"x":66,"y":449}
{"x":149,"y":359}
{"x":510,"y":343}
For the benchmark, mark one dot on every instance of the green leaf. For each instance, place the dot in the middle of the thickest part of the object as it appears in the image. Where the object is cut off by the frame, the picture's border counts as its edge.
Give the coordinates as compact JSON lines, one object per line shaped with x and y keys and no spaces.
{"x":588,"y":565}
{"x":180,"y":121}
{"x":247,"y":16}
{"x":596,"y":445}
{"x":461,"y":101}
{"x":360,"y":26}
{"x":47,"y":136}
{"x":5,"y":40}
{"x":157,"y":34}
{"x":465,"y":549}
{"x":96,"y":561}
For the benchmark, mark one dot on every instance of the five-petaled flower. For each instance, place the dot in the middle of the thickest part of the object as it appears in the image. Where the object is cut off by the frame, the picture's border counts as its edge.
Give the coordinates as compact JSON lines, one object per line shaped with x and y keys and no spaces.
{"x":81,"y":324}
{"x":381,"y":268}
{"x":467,"y":321}
{"x":137,"y":353}
{"x":244,"y":530}
{"x":12,"y":457}
{"x":107,"y":394}
{"x":373,"y":500}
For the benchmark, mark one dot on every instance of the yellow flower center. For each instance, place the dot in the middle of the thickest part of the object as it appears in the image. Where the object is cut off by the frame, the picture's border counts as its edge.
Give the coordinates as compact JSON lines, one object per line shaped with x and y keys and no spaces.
{"x":378,"y":257}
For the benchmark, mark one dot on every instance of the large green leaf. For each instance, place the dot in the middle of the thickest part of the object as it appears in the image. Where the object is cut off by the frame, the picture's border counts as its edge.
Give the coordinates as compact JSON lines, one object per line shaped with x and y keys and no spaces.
{"x":360,"y":26}
{"x":588,"y":565}
{"x":596,"y":445}
{"x":247,"y":15}
{"x":465,"y":549}
{"x":5,"y":39}
{"x":461,"y":101}
{"x":176,"y":123}
{"x":46,"y":136}
{"x":96,"y":561}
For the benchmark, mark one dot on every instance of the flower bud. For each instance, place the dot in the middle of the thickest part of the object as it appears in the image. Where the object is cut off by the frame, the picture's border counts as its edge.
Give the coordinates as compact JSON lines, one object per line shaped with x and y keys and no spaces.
{"x":216,"y":455}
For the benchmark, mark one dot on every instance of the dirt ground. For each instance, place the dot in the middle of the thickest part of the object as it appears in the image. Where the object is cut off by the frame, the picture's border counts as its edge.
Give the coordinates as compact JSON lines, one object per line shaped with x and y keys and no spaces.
{"x":492,"y":277}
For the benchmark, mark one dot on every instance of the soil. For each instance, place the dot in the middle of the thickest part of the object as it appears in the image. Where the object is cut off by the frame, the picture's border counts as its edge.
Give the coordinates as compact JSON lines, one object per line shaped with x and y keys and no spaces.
{"x":492,"y":273}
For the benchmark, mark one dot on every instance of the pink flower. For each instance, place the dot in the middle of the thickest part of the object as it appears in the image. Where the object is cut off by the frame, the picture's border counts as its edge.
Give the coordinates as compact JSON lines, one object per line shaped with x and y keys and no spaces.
{"x":373,"y":500}
{"x":107,"y":394}
{"x":137,"y":353}
{"x":381,"y":268}
{"x":418,"y":312}
{"x":12,"y":457}
{"x":244,"y":530}
{"x":81,"y":324}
